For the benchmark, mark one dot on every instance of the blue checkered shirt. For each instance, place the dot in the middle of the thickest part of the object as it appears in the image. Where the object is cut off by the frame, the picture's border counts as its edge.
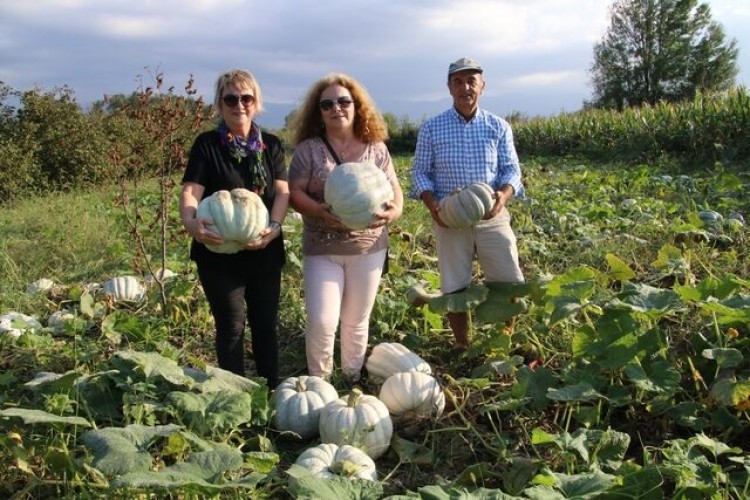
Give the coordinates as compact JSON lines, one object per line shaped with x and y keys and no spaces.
{"x":453,"y":153}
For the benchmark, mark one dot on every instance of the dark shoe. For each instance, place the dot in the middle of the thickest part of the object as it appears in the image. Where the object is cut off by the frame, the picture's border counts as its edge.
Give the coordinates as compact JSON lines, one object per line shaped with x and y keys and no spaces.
{"x":458,"y":349}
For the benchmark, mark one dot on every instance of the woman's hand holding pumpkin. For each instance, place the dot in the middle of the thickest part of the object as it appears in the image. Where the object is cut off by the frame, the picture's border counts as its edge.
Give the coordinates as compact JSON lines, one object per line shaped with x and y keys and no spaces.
{"x":198,"y":229}
{"x":329,"y":217}
{"x":391,"y":213}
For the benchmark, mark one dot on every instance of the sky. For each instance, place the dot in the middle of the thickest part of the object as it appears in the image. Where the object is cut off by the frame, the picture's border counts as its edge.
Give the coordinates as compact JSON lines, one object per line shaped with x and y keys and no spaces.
{"x":536,"y":54}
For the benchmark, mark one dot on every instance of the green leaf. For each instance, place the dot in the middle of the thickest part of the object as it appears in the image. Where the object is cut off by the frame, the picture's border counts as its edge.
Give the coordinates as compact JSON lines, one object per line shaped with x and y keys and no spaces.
{"x":204,"y":470}
{"x":503,"y":302}
{"x":215,"y":379}
{"x":410,"y":452}
{"x":214,"y":413}
{"x":618,"y":269}
{"x":42,"y":417}
{"x":520,"y":473}
{"x":725,"y":358}
{"x":153,"y":366}
{"x":460,"y":301}
{"x":659,"y":377}
{"x":534,"y":384}
{"x":582,"y":391}
{"x":730,"y":392}
{"x":579,"y":486}
{"x":120,"y":450}
{"x":647,"y":299}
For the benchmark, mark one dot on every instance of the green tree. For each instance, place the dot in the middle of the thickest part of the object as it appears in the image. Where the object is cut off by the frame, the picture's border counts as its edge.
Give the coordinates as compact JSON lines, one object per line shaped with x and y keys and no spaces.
{"x":661,"y":50}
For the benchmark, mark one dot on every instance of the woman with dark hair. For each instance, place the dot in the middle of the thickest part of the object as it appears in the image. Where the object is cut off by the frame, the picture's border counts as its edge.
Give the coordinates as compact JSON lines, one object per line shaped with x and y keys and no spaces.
{"x":339,"y":123}
{"x":244,"y":286}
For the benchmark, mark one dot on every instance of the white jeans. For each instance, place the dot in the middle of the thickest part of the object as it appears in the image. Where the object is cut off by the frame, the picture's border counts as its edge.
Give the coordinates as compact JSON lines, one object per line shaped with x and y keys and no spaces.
{"x":339,"y":288}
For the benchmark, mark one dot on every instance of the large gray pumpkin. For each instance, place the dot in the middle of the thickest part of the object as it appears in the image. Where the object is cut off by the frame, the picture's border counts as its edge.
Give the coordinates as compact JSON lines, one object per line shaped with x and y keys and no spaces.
{"x":238,"y":216}
{"x":467,"y":206}
{"x":356,"y":191}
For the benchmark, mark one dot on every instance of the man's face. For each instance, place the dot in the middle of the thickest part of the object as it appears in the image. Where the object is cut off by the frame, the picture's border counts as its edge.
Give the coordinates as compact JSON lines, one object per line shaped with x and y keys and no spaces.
{"x":465,"y":88}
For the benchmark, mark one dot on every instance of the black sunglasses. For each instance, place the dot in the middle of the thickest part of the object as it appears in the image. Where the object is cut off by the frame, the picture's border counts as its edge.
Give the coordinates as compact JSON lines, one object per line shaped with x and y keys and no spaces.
{"x":343,"y":101}
{"x":231,"y":100}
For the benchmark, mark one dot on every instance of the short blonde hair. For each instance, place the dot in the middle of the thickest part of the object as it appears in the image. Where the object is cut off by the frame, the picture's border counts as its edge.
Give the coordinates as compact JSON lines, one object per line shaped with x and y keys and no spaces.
{"x":307,"y":121}
{"x":240,"y":78}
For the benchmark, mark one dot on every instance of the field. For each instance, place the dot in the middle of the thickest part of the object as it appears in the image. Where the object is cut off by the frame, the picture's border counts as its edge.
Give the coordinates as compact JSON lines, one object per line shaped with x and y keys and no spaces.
{"x":626,"y":375}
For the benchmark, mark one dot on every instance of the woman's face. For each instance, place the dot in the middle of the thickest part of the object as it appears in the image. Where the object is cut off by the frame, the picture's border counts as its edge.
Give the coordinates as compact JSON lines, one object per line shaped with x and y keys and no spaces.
{"x":238,"y":109}
{"x":337,"y":108}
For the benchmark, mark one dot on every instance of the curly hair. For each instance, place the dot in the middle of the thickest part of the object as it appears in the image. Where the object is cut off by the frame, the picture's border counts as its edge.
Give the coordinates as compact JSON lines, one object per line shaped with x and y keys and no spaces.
{"x":307,"y":120}
{"x":240,"y":78}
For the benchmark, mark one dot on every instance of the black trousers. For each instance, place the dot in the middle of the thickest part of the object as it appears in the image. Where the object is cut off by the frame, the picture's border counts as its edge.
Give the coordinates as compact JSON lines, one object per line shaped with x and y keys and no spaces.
{"x":235,"y":295}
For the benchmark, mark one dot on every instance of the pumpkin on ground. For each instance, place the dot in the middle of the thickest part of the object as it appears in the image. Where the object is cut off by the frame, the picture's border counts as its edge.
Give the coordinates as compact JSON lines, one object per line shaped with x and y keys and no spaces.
{"x":328,"y":460}
{"x":16,"y":324}
{"x":415,"y":393}
{"x":124,"y":289}
{"x":40,"y":285}
{"x":356,"y":191}
{"x":238,"y":216}
{"x":389,"y":358}
{"x":465,"y":207}
{"x":58,"y":320}
{"x":358,"y":419}
{"x":297,"y":403}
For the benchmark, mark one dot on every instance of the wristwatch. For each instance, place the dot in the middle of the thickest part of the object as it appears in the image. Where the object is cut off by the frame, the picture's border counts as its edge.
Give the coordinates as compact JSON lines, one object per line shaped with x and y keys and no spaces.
{"x":274,"y":224}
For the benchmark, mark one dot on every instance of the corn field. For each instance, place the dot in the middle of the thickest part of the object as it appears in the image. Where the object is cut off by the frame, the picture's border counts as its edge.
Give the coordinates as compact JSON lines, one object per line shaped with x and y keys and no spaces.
{"x":708,"y":129}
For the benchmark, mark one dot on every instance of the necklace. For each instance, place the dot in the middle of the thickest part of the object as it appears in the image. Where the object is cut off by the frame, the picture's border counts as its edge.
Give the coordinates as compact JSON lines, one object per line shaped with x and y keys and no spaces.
{"x":345,"y":149}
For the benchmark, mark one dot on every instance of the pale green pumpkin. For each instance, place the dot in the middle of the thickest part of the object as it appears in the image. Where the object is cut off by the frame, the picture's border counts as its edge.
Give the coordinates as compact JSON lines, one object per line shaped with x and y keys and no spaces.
{"x":238,"y":216}
{"x":356,"y":191}
{"x":465,"y":207}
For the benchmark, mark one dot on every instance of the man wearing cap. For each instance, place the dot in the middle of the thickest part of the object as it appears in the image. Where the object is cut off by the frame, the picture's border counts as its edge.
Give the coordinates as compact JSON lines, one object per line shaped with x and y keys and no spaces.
{"x":461,"y":146}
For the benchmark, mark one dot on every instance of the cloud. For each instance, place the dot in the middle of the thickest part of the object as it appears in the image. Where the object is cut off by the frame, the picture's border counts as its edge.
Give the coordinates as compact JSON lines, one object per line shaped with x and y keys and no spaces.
{"x":536,"y":53}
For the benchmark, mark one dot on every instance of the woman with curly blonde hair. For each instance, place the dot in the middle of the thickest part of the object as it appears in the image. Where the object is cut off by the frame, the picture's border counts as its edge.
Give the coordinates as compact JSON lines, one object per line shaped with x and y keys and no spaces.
{"x":339,"y":123}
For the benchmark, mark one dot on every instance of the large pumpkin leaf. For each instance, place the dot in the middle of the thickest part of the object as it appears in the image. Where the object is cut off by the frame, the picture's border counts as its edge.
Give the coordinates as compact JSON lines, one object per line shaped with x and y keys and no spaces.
{"x":204,"y":470}
{"x":213,"y":413}
{"x":153,"y":366}
{"x":580,"y":392}
{"x":42,"y":417}
{"x":578,"y":486}
{"x":503,"y":302}
{"x":216,"y":379}
{"x":460,"y":301}
{"x":120,"y":450}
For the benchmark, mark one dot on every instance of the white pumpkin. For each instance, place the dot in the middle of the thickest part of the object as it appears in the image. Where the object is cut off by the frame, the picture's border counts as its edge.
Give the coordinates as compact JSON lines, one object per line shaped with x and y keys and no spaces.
{"x":413,"y":392}
{"x":356,"y":191}
{"x":124,"y":289}
{"x":165,"y":274}
{"x":389,"y":358}
{"x":238,"y":216}
{"x":358,"y":419}
{"x":40,"y":285}
{"x":58,"y":320}
{"x":465,"y":207}
{"x":328,"y":460}
{"x":16,"y":324}
{"x":297,"y":403}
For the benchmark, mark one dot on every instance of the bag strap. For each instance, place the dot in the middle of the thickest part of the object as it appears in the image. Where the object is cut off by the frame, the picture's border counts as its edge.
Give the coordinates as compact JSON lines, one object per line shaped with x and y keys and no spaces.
{"x":330,"y":150}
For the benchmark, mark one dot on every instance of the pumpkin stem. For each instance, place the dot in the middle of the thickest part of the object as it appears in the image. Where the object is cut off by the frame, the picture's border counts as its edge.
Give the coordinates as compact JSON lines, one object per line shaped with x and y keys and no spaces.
{"x":354,"y":396}
{"x":345,"y":468}
{"x":301,"y":386}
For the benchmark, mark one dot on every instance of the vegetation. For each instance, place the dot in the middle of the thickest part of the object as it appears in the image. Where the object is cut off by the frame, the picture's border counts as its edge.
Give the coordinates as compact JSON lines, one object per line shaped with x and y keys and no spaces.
{"x":626,"y":374}
{"x":661,"y":50}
